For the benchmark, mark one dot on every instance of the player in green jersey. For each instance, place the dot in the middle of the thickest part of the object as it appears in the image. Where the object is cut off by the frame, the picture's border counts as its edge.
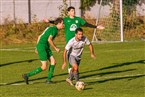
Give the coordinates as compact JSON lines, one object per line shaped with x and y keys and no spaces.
{"x":72,"y":22}
{"x":45,"y":40}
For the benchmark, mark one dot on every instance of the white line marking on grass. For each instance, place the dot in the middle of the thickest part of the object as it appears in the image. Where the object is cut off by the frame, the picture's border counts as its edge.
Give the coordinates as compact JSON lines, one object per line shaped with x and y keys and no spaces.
{"x":24,"y":50}
{"x":33,"y":50}
{"x":112,"y":77}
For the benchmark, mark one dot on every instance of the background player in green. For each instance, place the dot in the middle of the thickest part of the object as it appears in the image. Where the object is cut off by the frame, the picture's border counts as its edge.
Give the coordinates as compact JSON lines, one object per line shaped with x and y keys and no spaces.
{"x":72,"y":22}
{"x":45,"y":40}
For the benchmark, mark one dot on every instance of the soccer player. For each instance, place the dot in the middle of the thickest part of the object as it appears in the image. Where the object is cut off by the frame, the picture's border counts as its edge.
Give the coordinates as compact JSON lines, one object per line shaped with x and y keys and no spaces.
{"x":45,"y":40}
{"x":72,"y":22}
{"x":76,"y":45}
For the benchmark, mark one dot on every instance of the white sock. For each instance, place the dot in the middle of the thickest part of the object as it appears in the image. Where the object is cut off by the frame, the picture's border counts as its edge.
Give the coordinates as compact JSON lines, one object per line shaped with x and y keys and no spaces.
{"x":69,"y":69}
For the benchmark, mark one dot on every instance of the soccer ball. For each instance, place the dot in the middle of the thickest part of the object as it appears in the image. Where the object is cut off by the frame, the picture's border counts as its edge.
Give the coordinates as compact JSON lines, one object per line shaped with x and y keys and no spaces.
{"x":80,"y":85}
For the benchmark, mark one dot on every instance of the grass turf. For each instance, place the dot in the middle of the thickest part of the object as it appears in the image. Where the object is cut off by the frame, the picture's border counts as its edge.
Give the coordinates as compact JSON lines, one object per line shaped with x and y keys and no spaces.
{"x":117,"y":71}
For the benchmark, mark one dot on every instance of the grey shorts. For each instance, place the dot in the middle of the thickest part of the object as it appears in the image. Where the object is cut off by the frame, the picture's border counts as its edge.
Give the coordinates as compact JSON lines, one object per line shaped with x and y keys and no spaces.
{"x":74,"y":60}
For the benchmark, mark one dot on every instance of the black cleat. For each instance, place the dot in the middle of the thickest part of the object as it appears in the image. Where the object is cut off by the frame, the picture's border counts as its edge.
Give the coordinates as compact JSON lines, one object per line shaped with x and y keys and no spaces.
{"x":25,"y":78}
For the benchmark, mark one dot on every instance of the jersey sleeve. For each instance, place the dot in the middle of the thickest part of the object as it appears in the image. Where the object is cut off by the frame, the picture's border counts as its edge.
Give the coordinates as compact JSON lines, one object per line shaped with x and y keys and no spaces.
{"x":64,"y":20}
{"x":52,"y":32}
{"x":69,"y":45}
{"x":83,"y":22}
{"x":87,"y":41}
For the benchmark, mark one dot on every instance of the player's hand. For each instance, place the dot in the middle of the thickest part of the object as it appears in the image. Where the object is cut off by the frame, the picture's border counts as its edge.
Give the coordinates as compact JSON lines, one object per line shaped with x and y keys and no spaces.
{"x":45,"y":20}
{"x":57,"y":50}
{"x":63,"y":65}
{"x":36,"y":51}
{"x":93,"y":56}
{"x":100,"y":27}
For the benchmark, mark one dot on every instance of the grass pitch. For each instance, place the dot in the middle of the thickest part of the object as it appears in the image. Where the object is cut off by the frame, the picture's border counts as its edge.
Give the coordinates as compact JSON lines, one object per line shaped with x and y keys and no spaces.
{"x":117,"y":71}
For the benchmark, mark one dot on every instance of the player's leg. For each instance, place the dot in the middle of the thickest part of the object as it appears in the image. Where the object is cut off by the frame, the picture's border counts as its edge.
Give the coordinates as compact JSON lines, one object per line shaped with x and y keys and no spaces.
{"x":75,"y":68}
{"x":70,"y":78}
{"x":43,"y":58}
{"x":69,"y":65}
{"x":35,"y":71}
{"x":71,"y":75}
{"x":75,"y":71}
{"x":51,"y":67}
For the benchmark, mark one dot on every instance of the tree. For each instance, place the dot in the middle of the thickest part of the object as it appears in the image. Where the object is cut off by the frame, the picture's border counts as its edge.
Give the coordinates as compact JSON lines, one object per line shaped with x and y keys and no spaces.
{"x":63,"y":9}
{"x":87,"y":4}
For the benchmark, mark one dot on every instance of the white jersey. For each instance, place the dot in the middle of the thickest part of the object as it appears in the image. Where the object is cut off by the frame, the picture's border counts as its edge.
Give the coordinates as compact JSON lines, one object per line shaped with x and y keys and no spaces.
{"x":77,"y":47}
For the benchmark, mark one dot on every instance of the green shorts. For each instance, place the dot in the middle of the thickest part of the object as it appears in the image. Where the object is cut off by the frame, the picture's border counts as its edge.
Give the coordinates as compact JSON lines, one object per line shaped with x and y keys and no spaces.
{"x":44,"y":52}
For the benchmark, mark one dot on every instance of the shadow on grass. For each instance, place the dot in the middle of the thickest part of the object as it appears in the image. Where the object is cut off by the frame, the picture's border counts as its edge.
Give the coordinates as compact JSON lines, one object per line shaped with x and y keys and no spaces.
{"x":106,"y":73}
{"x":123,"y":64}
{"x":6,"y":64}
{"x":116,"y":78}
{"x":115,"y":66}
{"x":46,"y":77}
{"x":87,"y":89}
{"x":30,"y":80}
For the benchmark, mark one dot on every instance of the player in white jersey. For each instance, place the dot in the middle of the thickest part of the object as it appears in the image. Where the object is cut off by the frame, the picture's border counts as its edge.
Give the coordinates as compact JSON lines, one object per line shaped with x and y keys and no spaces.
{"x":76,"y":45}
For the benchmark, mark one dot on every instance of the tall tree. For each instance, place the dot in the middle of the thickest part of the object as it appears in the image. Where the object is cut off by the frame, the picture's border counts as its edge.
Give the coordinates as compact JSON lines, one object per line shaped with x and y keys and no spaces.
{"x":87,"y":4}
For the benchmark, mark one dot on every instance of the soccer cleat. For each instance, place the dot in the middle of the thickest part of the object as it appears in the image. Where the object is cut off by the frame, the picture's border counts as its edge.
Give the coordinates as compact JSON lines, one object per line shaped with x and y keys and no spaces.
{"x":69,"y":81}
{"x":25,"y":78}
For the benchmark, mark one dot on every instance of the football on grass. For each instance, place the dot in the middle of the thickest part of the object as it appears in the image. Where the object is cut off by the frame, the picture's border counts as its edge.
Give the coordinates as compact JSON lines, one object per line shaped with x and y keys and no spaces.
{"x":80,"y":85}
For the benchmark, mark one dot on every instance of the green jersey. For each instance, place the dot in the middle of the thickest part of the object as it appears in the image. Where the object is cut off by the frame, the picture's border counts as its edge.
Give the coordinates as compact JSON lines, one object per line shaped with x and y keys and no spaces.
{"x":70,"y":26}
{"x":52,"y":30}
{"x":43,"y":46}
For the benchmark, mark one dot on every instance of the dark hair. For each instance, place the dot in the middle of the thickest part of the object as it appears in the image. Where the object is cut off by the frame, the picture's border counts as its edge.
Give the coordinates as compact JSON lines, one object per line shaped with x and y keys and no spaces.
{"x":71,"y":7}
{"x":78,"y":29}
{"x":58,"y":20}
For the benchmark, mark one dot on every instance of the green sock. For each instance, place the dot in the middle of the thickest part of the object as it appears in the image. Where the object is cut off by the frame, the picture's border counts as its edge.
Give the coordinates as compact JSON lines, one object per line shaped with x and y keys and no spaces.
{"x":36,"y":71}
{"x":50,"y":72}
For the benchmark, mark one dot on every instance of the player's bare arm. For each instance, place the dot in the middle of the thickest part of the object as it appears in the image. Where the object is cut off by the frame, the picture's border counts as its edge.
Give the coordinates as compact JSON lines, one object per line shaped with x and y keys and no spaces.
{"x":64,"y":59}
{"x":94,"y":26}
{"x":100,"y":27}
{"x":48,"y":21}
{"x":92,"y":51}
{"x":52,"y":43}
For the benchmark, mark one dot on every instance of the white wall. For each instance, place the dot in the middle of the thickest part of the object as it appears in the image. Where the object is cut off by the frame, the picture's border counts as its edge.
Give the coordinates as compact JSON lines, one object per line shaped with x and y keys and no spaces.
{"x":40,"y":8}
{"x":47,"y":9}
{"x":141,"y":10}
